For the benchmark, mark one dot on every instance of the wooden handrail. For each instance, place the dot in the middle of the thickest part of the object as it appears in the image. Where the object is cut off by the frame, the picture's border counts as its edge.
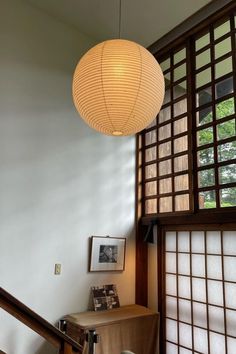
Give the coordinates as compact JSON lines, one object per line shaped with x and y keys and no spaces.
{"x":58,"y":339}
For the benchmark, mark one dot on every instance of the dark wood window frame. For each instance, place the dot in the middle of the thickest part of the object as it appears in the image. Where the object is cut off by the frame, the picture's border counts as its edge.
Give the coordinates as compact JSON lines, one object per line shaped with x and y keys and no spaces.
{"x":223,"y":219}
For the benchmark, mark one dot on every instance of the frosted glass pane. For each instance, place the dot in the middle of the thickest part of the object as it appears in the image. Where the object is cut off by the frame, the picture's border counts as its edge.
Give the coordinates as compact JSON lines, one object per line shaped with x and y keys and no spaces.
{"x":171,"y":348}
{"x":170,"y":241}
{"x":199,"y":289}
{"x":229,"y":239}
{"x":171,"y":307}
{"x":165,"y":204}
{"x":231,"y":322}
{"x":217,"y":343}
{"x":185,"y":335}
{"x":198,"y":265}
{"x":230,"y":268}
{"x":182,"y":202}
{"x":180,"y":55}
{"x":231,"y":345}
{"x":215,"y":292}
{"x":183,"y":241}
{"x":199,"y":315}
{"x":184,"y":287}
{"x":230,"y":295}
{"x":171,"y":330}
{"x":171,"y":262}
{"x":214,"y":268}
{"x":216,"y":319}
{"x":200,"y":340}
{"x":213,"y":242}
{"x":185,"y":311}
{"x":170,"y":284}
{"x":198,"y":242}
{"x":184,"y":264}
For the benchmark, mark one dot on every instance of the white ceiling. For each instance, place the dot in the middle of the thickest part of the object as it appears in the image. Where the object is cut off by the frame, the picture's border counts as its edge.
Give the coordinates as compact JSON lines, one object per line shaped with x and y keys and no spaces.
{"x":143,"y":21}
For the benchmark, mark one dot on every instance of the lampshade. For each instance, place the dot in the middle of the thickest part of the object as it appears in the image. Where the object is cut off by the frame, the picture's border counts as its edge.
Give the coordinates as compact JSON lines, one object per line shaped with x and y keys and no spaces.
{"x":118,"y":87}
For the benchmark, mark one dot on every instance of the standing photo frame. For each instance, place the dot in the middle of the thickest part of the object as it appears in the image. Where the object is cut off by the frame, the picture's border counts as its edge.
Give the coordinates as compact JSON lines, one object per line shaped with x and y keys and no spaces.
{"x":107,"y":254}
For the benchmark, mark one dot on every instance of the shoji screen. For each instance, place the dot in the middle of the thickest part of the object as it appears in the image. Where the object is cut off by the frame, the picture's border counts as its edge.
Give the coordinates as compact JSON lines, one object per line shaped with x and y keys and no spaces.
{"x":200,"y":292}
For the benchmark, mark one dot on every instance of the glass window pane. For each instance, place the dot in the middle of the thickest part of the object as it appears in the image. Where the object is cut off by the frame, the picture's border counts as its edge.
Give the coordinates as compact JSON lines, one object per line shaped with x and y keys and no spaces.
{"x":167,"y":79}
{"x":203,"y":77}
{"x":179,"y":90}
{"x":164,"y":167}
{"x":181,"y":144}
{"x":165,"y":204}
{"x":180,"y":126}
{"x":204,"y":96}
{"x":150,"y":188}
{"x":150,"y":154}
{"x":164,"y":149}
{"x":221,"y":30}
{"x":228,"y":197}
{"x":185,"y":335}
{"x":181,"y":183}
{"x":223,"y":67}
{"x":179,"y":72}
{"x":184,"y":287}
{"x":171,"y":330}
{"x":206,"y":178}
{"x":227,"y":174}
{"x":181,"y":163}
{"x":171,"y":348}
{"x":150,"y":137}
{"x":150,"y":206}
{"x":226,"y":129}
{"x":231,"y":344}
{"x":165,"y":64}
{"x":225,"y":108}
{"x":164,"y":132}
{"x":227,"y":151}
{"x":180,"y":55}
{"x":224,"y":87}
{"x":206,"y":157}
{"x":165,"y":185}
{"x":204,"y":116}
{"x":151,"y":171}
{"x":205,"y":136}
{"x":203,"y":59}
{"x":222,"y":47}
{"x":164,"y":115}
{"x":167,"y":97}
{"x":229,"y":240}
{"x":207,"y":200}
{"x":202,"y":41}
{"x":180,"y":107}
{"x":230,"y":295}
{"x":182,"y":202}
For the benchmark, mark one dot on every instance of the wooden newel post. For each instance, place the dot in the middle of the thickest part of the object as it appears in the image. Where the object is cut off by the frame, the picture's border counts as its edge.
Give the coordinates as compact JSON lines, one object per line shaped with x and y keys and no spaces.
{"x":67,"y":349}
{"x":92,"y":338}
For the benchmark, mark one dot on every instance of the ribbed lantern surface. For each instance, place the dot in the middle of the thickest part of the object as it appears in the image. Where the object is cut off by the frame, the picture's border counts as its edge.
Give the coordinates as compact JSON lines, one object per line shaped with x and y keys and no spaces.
{"x":118,"y":87}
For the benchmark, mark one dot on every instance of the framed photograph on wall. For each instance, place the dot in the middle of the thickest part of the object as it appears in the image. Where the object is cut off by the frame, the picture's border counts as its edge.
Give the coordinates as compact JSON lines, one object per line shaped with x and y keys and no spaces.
{"x":107,"y":254}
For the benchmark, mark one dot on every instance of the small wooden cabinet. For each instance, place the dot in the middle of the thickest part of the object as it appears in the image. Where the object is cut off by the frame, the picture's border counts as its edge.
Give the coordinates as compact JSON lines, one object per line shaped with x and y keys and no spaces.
{"x":131,"y":327}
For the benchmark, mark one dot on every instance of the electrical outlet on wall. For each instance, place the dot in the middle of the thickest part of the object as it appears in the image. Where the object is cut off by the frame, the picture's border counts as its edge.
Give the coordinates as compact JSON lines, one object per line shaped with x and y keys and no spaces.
{"x":57,"y":269}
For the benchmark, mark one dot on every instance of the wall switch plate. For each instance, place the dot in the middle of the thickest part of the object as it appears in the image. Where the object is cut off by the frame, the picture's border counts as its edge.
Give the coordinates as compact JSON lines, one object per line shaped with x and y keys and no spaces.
{"x":57,"y":269}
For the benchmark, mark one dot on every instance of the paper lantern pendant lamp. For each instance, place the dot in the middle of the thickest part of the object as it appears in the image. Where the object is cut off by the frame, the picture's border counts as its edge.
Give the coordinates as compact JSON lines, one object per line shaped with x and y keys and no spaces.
{"x":118,"y":87}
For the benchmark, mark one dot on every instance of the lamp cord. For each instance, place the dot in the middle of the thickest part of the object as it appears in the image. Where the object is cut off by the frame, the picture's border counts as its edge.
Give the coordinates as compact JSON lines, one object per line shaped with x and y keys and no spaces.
{"x":120,"y":20}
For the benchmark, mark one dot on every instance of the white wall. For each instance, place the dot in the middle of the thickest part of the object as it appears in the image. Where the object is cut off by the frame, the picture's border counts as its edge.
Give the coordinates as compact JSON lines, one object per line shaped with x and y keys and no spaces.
{"x":60,"y":182}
